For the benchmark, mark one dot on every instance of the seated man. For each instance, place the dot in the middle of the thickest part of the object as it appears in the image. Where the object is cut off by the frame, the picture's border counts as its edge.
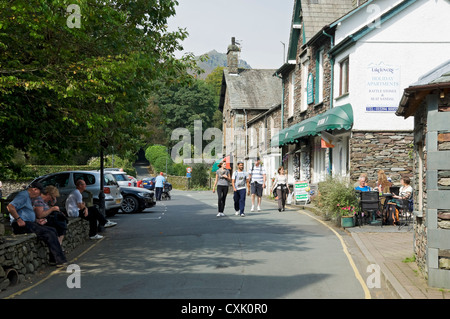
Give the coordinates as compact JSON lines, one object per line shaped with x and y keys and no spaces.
{"x":75,"y":207}
{"x":363,"y":186}
{"x":23,"y":220}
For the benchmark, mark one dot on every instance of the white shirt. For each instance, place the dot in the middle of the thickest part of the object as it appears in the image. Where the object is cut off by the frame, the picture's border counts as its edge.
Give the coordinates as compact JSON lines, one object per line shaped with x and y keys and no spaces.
{"x":72,"y":202}
{"x":240,"y":179}
{"x":258,"y":173}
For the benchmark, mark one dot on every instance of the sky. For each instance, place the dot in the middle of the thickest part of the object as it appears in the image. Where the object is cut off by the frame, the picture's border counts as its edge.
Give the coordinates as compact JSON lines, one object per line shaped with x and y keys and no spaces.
{"x":260,"y":26}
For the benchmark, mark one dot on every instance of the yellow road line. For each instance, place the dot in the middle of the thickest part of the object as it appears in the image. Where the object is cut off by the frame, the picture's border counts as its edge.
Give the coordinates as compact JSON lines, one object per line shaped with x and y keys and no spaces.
{"x":349,"y":257}
{"x":52,"y":273}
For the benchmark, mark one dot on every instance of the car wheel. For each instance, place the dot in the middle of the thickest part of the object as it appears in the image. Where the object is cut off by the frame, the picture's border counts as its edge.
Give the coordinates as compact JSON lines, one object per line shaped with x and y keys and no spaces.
{"x":130,"y":205}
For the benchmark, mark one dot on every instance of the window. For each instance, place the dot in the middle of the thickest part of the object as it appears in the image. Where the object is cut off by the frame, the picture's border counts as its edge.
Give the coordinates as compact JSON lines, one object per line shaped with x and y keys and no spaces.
{"x":58,"y":180}
{"x":88,"y":178}
{"x":291,"y":94}
{"x":305,"y":73}
{"x":344,"y":78}
{"x":319,"y":77}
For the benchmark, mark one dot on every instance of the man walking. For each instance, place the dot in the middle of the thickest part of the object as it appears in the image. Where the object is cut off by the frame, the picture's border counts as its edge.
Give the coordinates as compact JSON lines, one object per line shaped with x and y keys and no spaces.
{"x":159,"y":185}
{"x":23,"y":219}
{"x":240,"y":183}
{"x":258,"y":183}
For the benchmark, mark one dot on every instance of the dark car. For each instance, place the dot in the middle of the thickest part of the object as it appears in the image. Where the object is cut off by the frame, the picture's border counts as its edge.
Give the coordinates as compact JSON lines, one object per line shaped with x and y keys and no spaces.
{"x":136,"y":199}
{"x":149,"y":183}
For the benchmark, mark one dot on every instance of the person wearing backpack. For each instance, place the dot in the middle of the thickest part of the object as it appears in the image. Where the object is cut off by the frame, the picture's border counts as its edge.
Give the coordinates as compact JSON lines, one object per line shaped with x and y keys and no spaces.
{"x":240,"y":183}
{"x":257,"y":183}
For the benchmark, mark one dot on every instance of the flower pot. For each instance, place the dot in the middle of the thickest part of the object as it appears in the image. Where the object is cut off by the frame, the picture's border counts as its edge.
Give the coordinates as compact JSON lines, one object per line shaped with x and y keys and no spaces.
{"x":347,"y":221}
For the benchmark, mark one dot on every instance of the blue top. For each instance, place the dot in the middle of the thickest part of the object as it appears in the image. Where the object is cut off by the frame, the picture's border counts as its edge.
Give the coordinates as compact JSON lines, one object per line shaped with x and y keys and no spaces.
{"x":363,"y":189}
{"x":159,"y":181}
{"x":22,"y":203}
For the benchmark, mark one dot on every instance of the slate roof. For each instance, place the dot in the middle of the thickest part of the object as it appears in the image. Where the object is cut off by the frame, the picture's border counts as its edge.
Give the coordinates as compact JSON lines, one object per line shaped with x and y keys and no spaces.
{"x":439,"y":74}
{"x":251,"y":89}
{"x":317,"y":15}
{"x":436,"y":79}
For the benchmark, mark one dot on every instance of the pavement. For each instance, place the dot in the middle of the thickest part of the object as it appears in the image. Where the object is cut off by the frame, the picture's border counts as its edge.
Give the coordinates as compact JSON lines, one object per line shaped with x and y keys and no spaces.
{"x":392,"y":249}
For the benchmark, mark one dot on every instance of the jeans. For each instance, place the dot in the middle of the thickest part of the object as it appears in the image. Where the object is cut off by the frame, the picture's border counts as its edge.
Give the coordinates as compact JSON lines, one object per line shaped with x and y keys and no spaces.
{"x":45,"y":233}
{"x":222,"y":192}
{"x":93,"y":216}
{"x":239,"y":200}
{"x":158,"y":192}
{"x":282,"y":195}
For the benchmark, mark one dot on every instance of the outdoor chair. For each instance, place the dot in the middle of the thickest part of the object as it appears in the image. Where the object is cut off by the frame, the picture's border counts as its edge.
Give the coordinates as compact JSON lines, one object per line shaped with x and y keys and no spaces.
{"x":405,"y":212}
{"x":370,"y":203}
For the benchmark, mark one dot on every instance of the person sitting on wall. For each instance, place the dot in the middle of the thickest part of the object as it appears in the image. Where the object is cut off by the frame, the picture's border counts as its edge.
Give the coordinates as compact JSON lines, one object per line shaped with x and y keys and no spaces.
{"x":23,"y":221}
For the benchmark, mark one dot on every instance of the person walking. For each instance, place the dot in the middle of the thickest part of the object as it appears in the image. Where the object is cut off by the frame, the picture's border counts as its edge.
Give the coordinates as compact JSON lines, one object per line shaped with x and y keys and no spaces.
{"x":159,"y":185}
{"x":222,"y":182}
{"x":240,"y":183}
{"x":280,"y":184}
{"x":257,"y":183}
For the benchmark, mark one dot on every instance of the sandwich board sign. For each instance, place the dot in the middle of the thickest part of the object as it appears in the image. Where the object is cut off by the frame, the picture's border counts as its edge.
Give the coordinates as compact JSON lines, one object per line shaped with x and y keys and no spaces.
{"x":301,"y":191}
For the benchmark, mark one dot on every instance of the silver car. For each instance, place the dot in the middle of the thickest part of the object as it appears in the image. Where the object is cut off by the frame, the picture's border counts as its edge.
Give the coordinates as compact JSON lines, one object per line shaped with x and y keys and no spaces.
{"x":65,"y":182}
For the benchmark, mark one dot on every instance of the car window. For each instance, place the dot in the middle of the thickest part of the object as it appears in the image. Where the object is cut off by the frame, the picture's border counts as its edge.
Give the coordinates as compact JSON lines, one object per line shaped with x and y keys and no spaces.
{"x":57,"y":180}
{"x":89,"y":179}
{"x":121,"y":177}
{"x":109,"y":180}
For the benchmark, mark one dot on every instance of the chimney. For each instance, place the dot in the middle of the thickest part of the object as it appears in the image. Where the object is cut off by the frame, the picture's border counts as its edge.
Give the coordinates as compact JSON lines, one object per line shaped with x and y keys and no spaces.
{"x":233,"y":57}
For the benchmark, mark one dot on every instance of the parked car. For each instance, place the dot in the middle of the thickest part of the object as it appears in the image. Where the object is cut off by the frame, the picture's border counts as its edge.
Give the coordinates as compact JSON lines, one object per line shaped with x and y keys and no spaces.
{"x":121,"y":178}
{"x":65,"y":182}
{"x":149,"y":183}
{"x":136,"y":199}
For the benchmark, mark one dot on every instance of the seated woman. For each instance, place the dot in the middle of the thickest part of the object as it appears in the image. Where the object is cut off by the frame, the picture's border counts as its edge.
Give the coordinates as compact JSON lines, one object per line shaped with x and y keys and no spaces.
{"x":47,"y":213}
{"x":405,"y":192}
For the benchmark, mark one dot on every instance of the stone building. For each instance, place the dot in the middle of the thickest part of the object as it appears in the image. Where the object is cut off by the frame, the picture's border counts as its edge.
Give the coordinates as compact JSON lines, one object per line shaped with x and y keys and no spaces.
{"x":250,"y":103}
{"x":427,"y":101}
{"x":343,"y":80}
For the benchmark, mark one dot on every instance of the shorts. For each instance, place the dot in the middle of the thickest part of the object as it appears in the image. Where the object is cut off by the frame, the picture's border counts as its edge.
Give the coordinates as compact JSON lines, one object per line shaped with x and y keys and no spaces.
{"x":256,"y":188}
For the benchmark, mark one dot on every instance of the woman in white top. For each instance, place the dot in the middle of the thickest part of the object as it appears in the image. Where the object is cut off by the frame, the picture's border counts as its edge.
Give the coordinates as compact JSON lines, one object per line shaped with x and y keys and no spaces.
{"x":282,"y":188}
{"x":405,"y":191}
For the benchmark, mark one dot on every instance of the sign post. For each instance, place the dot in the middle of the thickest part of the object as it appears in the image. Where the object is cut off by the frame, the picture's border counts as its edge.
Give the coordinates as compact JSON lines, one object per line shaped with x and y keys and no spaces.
{"x":301,"y":192}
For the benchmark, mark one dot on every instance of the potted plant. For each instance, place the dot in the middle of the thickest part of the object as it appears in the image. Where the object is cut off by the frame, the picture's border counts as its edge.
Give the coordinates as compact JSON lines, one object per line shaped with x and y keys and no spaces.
{"x":347,"y":214}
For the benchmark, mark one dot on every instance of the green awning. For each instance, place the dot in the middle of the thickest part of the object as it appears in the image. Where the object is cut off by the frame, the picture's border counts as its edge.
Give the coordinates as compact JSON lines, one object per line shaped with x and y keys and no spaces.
{"x":305,"y":128}
{"x":337,"y":118}
{"x":281,"y":138}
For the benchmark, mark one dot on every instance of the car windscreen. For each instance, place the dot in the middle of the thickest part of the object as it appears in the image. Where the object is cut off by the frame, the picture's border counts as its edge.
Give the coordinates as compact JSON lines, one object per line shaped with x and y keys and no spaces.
{"x":121,"y":177}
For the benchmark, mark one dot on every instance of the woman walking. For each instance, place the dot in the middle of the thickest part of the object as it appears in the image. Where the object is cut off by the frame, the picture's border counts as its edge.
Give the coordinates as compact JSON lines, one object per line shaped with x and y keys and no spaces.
{"x":222,"y":182}
{"x":280,"y":184}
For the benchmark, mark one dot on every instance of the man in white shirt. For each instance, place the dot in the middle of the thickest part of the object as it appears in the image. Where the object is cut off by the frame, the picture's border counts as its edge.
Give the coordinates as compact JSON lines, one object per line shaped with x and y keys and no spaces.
{"x":75,"y":207}
{"x":258,"y":182}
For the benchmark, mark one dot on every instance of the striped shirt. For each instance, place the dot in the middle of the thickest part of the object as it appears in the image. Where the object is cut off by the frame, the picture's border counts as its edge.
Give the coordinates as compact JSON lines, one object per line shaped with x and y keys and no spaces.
{"x":257,"y":174}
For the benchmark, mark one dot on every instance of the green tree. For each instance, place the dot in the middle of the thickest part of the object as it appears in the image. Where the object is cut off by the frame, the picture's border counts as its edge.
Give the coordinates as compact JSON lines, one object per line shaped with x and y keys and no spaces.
{"x":64,"y":89}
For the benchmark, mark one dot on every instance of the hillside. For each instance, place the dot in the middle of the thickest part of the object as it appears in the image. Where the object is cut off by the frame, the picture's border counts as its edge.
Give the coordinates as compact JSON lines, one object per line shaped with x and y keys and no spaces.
{"x":217,"y":59}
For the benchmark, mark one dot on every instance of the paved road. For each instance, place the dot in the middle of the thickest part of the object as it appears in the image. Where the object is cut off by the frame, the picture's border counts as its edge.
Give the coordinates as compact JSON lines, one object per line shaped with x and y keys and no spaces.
{"x":180,"y":249}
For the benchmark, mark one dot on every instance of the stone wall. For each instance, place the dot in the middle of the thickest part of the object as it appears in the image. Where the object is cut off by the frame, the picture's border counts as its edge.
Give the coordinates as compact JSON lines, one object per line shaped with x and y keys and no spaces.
{"x":388,"y":151}
{"x":22,"y":255}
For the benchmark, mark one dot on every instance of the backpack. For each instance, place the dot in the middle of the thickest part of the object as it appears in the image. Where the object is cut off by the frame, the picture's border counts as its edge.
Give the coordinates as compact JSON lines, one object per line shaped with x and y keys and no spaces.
{"x":390,"y":215}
